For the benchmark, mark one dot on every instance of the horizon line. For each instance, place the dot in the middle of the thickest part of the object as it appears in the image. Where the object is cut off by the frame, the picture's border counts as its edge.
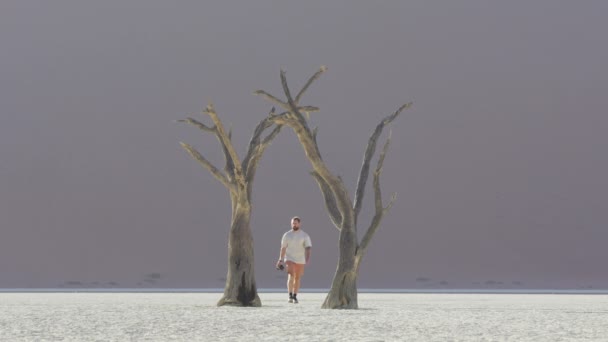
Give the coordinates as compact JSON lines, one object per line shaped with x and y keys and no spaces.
{"x":310,"y":290}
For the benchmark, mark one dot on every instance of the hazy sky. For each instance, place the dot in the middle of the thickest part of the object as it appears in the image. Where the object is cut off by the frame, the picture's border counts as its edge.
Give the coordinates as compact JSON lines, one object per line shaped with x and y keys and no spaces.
{"x":499,"y":167}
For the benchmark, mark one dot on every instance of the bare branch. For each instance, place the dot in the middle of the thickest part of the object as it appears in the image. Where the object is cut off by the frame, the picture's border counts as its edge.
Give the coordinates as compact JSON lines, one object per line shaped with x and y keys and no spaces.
{"x":377,"y":172}
{"x":275,"y":131}
{"x":308,"y":109}
{"x":390,"y":203}
{"x":198,"y":124}
{"x":255,"y":141}
{"x":207,"y":165}
{"x":369,"y":153}
{"x":271,"y":98}
{"x":310,"y":80}
{"x":330,"y":200}
{"x":392,"y":117}
{"x":229,"y":167}
{"x":296,"y":121}
{"x":232,"y":159}
{"x":271,"y":136}
{"x":292,"y":105}
{"x":293,"y":108}
{"x":252,"y":163}
{"x":314,"y":137}
{"x":380,"y":210}
{"x":257,"y":145}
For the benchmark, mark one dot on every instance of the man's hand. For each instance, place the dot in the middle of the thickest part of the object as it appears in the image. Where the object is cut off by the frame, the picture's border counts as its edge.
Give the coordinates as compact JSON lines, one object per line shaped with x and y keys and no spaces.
{"x":279,"y":265}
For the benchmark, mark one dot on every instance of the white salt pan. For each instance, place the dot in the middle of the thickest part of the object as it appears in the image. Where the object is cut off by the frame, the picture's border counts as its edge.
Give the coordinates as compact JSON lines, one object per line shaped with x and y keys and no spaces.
{"x":382,"y":317}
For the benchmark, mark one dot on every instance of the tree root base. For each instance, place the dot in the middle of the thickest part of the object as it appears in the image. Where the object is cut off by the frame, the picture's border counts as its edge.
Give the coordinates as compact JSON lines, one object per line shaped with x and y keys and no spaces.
{"x":235,"y":302}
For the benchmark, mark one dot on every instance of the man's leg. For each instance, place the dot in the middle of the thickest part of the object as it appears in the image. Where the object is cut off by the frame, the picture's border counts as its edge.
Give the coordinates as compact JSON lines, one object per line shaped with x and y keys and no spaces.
{"x":291,"y":271}
{"x":298,"y":273}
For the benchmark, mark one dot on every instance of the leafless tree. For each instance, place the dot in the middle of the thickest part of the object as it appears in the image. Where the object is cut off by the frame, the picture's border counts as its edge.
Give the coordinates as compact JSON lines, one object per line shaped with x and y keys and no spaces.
{"x":342,"y":210}
{"x":237,"y":177}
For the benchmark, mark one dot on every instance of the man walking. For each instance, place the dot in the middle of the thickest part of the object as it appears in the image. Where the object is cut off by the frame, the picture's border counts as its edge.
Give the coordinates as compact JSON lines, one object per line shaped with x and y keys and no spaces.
{"x":295,"y":252}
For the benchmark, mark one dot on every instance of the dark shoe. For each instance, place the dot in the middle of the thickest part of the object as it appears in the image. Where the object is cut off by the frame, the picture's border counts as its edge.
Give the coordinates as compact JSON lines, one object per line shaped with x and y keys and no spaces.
{"x":295,"y":300}
{"x":290,"y":298}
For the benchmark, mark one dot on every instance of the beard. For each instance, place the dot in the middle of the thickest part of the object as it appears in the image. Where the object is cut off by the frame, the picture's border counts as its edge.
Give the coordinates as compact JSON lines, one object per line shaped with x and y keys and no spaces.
{"x":295,"y":228}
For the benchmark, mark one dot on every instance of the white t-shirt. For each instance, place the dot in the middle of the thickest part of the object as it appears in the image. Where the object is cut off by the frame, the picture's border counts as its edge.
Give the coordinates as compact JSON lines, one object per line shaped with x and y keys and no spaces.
{"x":296,"y":243}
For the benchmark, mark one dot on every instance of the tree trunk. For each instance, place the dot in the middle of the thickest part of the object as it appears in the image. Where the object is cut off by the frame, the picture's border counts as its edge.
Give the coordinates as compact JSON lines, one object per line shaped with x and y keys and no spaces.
{"x":343,"y":292}
{"x":240,"y":287}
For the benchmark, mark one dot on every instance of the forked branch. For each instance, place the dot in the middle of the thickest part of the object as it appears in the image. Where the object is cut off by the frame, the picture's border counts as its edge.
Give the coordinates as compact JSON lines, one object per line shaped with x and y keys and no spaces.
{"x":271,"y":98}
{"x":307,"y":139}
{"x":229,"y":166}
{"x":207,"y":165}
{"x":235,"y":172}
{"x":257,"y":145}
{"x":284,"y":105}
{"x":367,"y":157}
{"x":380,"y":209}
{"x":226,"y":145}
{"x":198,"y":125}
{"x":293,"y":107}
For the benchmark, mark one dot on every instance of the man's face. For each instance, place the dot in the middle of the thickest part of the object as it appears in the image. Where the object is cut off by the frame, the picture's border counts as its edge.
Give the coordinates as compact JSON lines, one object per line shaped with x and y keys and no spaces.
{"x":295,"y":224}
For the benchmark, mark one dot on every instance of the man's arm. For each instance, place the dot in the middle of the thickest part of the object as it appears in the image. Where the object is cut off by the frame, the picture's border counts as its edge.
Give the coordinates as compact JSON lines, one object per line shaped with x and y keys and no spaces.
{"x":283,"y":249}
{"x":281,"y":255}
{"x":307,"y":254}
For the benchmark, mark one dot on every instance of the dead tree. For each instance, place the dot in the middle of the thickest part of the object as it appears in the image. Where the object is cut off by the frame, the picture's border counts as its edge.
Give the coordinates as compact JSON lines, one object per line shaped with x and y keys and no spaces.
{"x":237,"y":177}
{"x":342,"y":211}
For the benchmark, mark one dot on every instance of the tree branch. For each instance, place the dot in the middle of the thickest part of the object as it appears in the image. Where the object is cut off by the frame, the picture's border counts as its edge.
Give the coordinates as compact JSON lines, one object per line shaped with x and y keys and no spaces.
{"x":271,"y":135}
{"x":276,"y":101}
{"x":229,"y":167}
{"x":293,"y":108}
{"x":380,"y":210}
{"x":252,"y":163}
{"x":310,"y":81}
{"x":255,"y":140}
{"x":296,"y":121}
{"x":377,"y":172}
{"x":369,"y":153}
{"x":257,"y":145}
{"x":198,"y":124}
{"x":309,"y":142}
{"x":330,"y":200}
{"x":271,"y":98}
{"x":308,"y":109}
{"x":314,"y":137}
{"x":207,"y":165}
{"x":232,"y":158}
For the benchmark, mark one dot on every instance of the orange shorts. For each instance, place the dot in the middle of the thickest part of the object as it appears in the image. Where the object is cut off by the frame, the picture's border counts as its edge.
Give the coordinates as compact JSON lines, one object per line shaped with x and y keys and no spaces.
{"x":295,"y":268}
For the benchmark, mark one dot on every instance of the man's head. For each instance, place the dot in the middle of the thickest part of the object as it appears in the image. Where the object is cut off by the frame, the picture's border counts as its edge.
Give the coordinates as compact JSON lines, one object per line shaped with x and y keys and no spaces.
{"x":295,"y":223}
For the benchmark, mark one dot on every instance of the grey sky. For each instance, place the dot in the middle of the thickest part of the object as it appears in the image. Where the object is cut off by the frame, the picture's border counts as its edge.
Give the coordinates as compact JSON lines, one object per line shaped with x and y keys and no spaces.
{"x":500,"y":166}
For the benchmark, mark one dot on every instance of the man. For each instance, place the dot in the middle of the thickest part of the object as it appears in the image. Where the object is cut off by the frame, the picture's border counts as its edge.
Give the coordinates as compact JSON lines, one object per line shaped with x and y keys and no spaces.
{"x":295,"y":252}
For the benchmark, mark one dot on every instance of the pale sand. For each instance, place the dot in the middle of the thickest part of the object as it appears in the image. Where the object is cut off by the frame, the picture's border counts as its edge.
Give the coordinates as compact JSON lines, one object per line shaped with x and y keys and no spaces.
{"x":382,"y":317}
